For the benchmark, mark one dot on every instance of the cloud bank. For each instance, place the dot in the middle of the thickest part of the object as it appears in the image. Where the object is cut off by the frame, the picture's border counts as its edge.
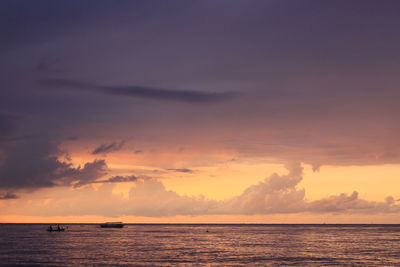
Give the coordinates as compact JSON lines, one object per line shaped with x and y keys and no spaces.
{"x":277,"y":194}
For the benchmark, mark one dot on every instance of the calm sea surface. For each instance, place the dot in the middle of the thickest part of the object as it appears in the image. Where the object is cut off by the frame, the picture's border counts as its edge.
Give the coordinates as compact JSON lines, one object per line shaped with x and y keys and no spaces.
{"x":171,"y":245}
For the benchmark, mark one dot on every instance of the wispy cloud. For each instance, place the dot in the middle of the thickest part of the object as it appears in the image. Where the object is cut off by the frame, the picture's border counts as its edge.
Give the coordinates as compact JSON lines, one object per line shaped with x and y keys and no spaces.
{"x":108,"y":148}
{"x":185,"y":170}
{"x":119,"y":179}
{"x":8,"y":195}
{"x":187,"y":96}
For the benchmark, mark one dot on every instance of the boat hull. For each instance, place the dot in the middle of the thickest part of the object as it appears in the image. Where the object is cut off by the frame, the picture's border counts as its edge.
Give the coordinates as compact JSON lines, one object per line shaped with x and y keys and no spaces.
{"x":111,"y":225}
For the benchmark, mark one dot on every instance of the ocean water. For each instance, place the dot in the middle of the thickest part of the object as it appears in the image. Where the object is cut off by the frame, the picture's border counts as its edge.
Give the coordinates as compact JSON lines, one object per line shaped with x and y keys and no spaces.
{"x":225,"y":245}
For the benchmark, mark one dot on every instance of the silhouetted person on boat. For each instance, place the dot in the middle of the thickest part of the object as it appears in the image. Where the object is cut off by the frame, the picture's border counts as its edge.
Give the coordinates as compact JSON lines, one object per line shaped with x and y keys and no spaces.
{"x":58,"y":227}
{"x":50,"y":228}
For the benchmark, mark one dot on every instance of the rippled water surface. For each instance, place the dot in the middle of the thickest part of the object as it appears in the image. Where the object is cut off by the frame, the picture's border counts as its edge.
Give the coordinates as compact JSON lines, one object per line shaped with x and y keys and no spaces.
{"x":224,"y":245}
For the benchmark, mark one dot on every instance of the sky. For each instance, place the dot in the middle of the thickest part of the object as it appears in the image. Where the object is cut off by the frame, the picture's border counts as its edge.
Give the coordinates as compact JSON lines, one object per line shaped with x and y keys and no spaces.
{"x":200,"y":111}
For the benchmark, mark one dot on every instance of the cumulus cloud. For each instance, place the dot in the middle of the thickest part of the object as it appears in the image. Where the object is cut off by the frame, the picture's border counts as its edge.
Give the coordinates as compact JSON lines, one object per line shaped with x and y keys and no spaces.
{"x":344,"y":203}
{"x":188,"y":96}
{"x":277,"y":194}
{"x":151,"y":198}
{"x":108,"y":148}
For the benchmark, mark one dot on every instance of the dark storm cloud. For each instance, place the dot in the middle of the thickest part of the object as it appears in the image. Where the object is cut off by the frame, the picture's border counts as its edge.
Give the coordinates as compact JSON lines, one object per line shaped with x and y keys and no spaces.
{"x":33,"y":163}
{"x":30,"y":164}
{"x":87,"y":174}
{"x":144,"y":92}
{"x":108,"y":148}
{"x":334,"y":65}
{"x":184,"y":170}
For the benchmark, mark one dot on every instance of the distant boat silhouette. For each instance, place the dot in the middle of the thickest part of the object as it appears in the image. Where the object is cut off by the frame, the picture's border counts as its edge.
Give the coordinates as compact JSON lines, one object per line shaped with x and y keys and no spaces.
{"x":112,"y":225}
{"x":58,"y":229}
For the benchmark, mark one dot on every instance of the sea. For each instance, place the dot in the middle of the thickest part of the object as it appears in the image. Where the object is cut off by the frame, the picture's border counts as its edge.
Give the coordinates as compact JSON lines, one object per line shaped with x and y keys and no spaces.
{"x":201,"y":244}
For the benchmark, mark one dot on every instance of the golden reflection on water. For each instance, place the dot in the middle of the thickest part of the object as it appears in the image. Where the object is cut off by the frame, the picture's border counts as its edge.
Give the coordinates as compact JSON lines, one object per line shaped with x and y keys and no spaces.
{"x":200,"y":244}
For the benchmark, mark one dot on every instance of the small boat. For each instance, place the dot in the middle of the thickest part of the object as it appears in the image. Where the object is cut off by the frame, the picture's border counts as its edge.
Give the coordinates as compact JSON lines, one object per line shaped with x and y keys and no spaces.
{"x":55,"y":230}
{"x":112,"y":225}
{"x":50,"y":229}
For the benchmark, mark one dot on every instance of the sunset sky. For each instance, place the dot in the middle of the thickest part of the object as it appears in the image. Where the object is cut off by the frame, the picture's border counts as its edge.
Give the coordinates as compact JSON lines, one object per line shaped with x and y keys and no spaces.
{"x":200,"y":111}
